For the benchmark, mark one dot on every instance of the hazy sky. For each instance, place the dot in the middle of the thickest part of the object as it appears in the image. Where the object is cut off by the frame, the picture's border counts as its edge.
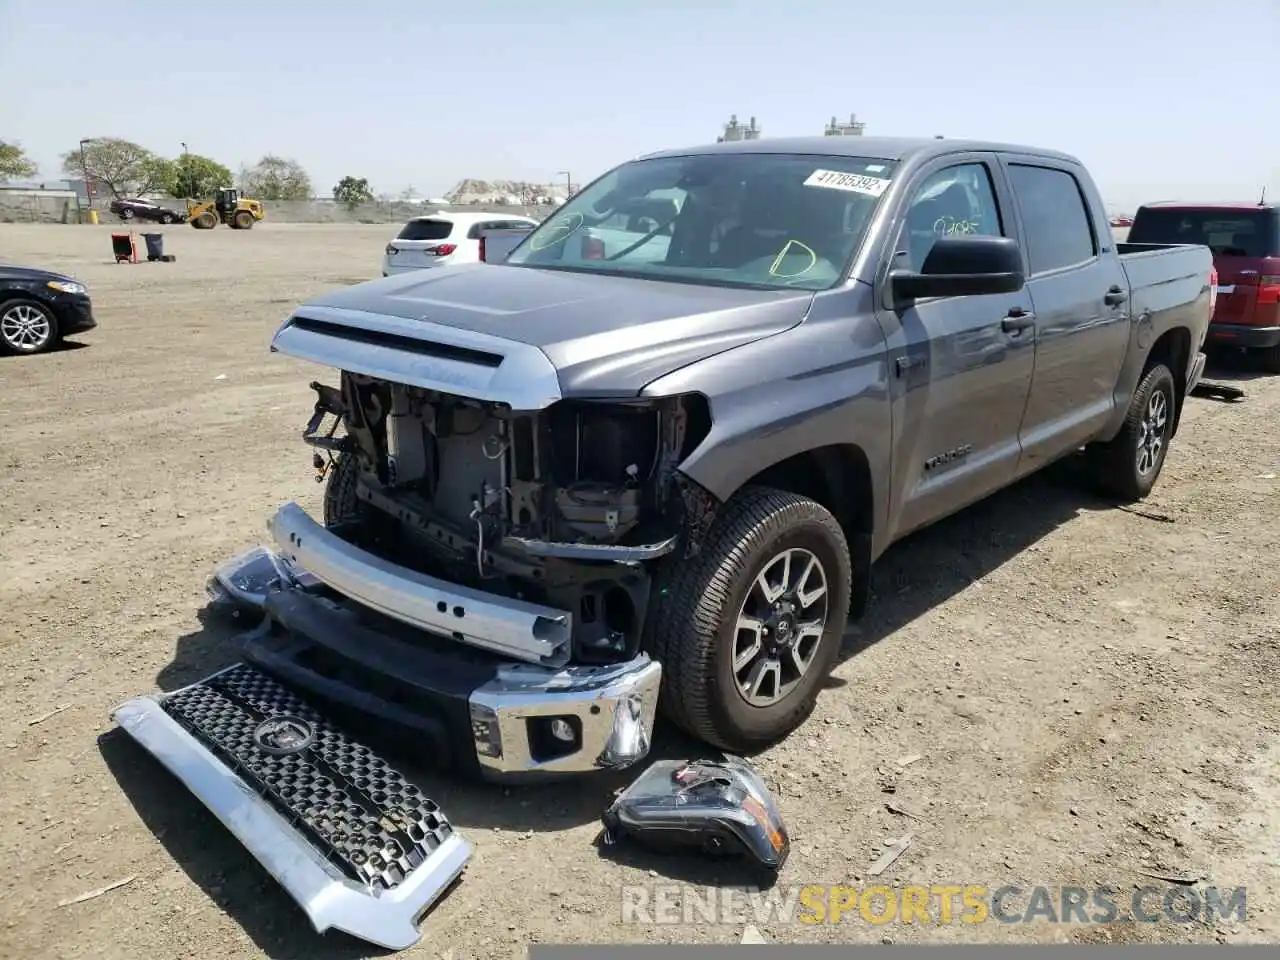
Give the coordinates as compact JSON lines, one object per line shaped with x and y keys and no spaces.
{"x":1170,"y":99}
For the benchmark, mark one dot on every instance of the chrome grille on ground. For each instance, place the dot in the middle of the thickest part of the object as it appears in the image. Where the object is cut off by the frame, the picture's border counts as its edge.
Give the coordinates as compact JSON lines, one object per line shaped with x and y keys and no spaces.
{"x":366,"y":818}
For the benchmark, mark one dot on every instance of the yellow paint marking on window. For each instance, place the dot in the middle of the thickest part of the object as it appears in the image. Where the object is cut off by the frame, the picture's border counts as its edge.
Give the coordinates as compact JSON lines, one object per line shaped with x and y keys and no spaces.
{"x":782,"y":255}
{"x":558,"y":233}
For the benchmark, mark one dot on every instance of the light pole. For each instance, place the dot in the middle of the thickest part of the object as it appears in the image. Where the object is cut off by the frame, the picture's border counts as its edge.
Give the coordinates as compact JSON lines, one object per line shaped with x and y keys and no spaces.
{"x":568,"y":183}
{"x":187,"y":191}
{"x":84,"y":171}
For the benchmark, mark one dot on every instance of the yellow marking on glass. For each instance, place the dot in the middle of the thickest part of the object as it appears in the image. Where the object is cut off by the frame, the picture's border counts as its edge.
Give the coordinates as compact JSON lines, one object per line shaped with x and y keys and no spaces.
{"x":558,"y":233}
{"x":782,"y":255}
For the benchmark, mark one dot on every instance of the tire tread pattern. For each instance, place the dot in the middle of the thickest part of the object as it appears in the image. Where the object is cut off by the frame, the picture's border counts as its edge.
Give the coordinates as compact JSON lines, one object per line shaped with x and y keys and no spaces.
{"x":692,"y":604}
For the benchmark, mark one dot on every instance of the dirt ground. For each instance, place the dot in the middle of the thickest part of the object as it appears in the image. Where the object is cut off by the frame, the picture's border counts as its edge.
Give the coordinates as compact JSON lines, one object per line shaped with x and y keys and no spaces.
{"x":1091,"y":691}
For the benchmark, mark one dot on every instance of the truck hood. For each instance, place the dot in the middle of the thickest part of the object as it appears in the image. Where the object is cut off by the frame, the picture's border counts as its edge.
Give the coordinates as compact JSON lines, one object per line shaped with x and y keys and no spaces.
{"x":604,"y":335}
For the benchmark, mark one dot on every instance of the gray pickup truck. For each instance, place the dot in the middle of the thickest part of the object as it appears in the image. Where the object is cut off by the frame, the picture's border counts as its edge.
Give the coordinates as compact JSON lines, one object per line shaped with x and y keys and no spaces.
{"x":648,"y":461}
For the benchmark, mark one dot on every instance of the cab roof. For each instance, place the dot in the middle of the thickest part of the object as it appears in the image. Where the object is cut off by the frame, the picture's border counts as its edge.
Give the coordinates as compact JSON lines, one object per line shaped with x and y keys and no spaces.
{"x":879,"y":148}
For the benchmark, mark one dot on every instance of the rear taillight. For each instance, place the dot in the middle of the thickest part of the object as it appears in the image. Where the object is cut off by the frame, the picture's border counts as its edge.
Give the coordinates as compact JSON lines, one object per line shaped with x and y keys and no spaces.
{"x":443,"y":250}
{"x":1213,"y":289}
{"x":392,"y":249}
{"x":482,"y":260}
{"x":1269,"y":289}
{"x":592,"y":248}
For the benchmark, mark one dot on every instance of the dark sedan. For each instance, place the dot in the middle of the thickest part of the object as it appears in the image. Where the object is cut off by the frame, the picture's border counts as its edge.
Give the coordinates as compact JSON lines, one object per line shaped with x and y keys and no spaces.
{"x":135,"y":209}
{"x":38,"y":308}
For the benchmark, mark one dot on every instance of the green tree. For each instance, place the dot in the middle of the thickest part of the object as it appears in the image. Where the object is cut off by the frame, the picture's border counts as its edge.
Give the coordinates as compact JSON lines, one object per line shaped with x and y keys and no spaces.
{"x":123,"y":167}
{"x":352,"y":191}
{"x":14,"y":162}
{"x":198,"y":178}
{"x":276,"y":178}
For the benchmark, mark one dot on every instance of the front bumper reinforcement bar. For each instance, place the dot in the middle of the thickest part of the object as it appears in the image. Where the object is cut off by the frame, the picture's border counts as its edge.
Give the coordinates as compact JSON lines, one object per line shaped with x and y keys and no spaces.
{"x":355,"y":843}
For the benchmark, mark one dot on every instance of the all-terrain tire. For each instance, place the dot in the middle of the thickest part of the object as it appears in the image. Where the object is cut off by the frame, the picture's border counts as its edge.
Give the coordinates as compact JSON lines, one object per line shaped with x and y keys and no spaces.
{"x":1269,"y":359}
{"x":693,"y":630}
{"x":243,"y":220}
{"x":1116,"y":464}
{"x":341,"y":504}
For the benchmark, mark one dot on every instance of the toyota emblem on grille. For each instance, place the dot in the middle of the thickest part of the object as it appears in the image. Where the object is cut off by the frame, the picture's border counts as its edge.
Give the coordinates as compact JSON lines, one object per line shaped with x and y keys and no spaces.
{"x":283,"y":735}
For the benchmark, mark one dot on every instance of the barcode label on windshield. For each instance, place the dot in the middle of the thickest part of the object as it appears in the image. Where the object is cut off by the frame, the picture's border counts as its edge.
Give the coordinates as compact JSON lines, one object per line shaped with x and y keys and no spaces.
{"x":853,"y":182}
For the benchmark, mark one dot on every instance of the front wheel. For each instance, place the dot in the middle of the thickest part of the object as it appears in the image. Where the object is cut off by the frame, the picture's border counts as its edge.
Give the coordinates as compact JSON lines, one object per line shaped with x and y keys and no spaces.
{"x":1127,"y":467}
{"x":26,"y":327}
{"x":243,"y":220}
{"x":748,"y":630}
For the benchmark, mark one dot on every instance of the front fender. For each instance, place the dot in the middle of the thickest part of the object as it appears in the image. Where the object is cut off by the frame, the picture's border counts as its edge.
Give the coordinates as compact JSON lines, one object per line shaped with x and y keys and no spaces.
{"x":823,"y":383}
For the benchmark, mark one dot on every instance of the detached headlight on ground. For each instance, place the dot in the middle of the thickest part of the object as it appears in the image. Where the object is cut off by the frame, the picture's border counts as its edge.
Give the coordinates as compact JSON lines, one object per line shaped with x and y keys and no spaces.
{"x":67,"y":286}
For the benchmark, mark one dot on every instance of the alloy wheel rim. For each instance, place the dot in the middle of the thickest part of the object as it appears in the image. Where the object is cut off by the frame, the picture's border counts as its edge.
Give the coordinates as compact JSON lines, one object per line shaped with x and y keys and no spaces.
{"x":25,"y":328}
{"x":779,"y":628}
{"x":1151,"y":436}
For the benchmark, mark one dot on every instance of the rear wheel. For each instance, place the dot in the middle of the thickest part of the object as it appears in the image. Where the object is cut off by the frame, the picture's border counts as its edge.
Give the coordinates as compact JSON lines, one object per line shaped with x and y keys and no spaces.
{"x":165,"y":218}
{"x":1127,"y":467}
{"x":748,"y":630}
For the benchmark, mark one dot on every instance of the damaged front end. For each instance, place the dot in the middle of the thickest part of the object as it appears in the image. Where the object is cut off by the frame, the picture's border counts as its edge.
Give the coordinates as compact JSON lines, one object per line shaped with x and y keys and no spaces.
{"x":564,"y":508}
{"x":482,"y":574}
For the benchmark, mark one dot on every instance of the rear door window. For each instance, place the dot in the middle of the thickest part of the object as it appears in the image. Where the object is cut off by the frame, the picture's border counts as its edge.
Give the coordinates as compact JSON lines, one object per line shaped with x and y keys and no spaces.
{"x":1059,"y":230}
{"x":1227,"y":232}
{"x":426,"y":230}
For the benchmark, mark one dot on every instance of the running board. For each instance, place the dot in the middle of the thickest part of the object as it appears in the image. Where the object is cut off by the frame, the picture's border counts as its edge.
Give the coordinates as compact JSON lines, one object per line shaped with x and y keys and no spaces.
{"x":357,"y":845}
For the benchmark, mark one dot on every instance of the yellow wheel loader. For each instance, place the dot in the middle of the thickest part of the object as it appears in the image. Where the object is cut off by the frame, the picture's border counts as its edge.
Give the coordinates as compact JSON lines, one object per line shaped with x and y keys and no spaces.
{"x":227,"y":207}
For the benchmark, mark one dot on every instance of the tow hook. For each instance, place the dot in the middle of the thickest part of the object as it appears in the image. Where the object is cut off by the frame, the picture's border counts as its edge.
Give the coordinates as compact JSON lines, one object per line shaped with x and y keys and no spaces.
{"x":321,"y":466}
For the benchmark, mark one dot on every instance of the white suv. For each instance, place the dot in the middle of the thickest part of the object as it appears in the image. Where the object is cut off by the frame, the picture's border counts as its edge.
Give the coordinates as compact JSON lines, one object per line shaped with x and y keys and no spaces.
{"x":441,"y":239}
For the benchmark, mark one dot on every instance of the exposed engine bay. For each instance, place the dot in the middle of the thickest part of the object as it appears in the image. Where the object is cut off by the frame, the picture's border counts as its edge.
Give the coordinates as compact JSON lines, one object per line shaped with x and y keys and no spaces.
{"x":567,"y":506}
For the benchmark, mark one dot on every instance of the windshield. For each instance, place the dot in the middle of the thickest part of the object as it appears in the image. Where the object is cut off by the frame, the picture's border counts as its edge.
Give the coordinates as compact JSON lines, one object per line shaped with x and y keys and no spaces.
{"x":1227,"y":232}
{"x":770,"y":221}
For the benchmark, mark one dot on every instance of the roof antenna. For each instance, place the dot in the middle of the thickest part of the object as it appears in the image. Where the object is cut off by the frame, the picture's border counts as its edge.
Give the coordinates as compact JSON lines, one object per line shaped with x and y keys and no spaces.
{"x":1262,"y":201}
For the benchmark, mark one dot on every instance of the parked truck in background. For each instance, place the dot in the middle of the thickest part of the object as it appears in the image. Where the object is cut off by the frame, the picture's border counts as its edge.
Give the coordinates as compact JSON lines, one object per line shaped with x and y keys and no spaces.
{"x":1245,"y":241}
{"x":496,"y":245}
{"x":567,"y":489}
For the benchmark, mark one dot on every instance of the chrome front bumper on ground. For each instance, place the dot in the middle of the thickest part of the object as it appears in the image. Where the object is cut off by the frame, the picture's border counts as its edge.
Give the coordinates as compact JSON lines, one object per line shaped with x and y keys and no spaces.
{"x":504,"y":721}
{"x":355,"y":843}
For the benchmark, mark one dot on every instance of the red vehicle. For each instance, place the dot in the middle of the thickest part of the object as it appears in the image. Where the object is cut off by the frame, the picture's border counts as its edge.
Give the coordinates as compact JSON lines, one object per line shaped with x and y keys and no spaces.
{"x":1245,"y":240}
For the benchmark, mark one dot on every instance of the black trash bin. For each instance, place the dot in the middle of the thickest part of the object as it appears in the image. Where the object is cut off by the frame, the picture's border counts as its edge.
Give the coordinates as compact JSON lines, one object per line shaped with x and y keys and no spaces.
{"x":155,"y":245}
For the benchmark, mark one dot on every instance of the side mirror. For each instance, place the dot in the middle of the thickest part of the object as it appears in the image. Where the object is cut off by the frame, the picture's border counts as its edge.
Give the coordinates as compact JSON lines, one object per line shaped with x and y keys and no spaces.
{"x":963,"y":266}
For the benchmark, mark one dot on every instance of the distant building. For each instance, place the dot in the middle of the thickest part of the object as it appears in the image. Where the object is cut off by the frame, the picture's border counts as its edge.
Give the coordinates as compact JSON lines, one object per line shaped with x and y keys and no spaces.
{"x":837,"y":128}
{"x":47,"y":188}
{"x":734,"y":131}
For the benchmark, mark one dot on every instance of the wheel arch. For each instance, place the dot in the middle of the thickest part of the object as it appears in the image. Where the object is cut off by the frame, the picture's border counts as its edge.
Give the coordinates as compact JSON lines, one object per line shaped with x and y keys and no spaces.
{"x":839,"y":477}
{"x":1173,"y":349}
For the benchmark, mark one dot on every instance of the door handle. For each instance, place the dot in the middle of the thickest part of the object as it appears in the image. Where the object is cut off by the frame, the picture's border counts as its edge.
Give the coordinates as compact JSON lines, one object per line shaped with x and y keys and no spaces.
{"x":1115,"y":296}
{"x":1017,"y":320}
